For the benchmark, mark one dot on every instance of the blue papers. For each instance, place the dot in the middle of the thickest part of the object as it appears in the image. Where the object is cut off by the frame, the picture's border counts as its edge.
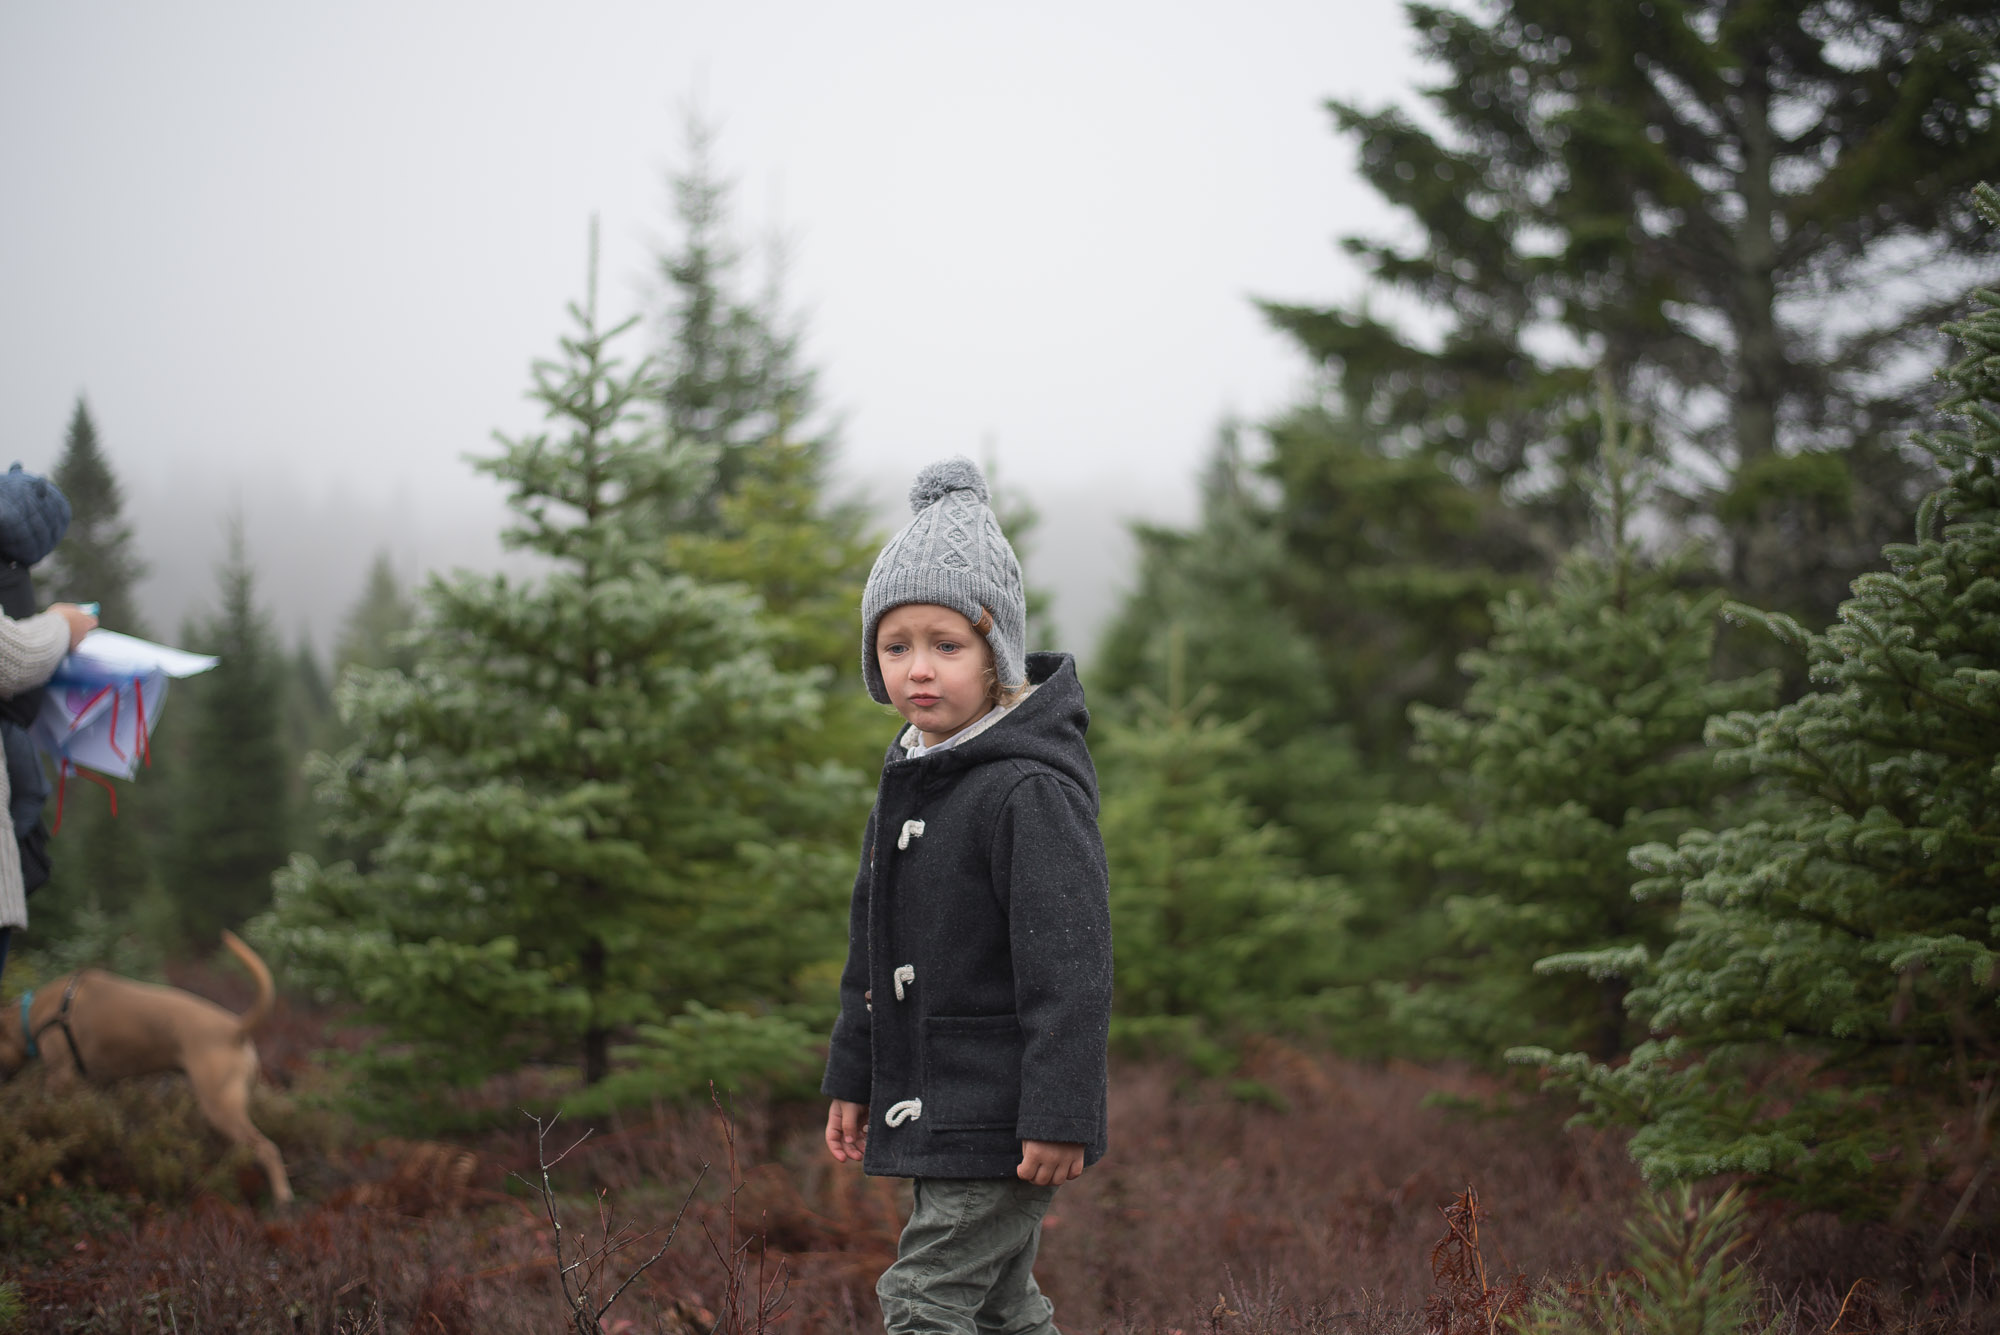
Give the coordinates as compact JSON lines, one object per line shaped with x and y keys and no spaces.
{"x":105,"y":698}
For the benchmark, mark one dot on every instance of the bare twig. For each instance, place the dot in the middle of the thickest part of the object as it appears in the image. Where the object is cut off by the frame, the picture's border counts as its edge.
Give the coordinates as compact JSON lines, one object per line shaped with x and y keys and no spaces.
{"x":578,"y":1272}
{"x":739,"y":1312}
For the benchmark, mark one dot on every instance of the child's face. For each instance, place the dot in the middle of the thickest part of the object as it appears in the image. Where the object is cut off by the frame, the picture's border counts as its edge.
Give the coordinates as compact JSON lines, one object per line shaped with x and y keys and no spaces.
{"x":934,"y":664}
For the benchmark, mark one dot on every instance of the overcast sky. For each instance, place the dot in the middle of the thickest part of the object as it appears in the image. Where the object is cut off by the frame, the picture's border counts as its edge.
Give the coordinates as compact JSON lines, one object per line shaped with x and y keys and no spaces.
{"x":299,"y":258}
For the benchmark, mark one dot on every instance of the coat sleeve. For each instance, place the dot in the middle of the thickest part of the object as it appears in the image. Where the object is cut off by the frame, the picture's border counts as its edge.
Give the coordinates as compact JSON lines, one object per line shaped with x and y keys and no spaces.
{"x":1048,"y":860}
{"x":849,"y":1065}
{"x":30,"y":649}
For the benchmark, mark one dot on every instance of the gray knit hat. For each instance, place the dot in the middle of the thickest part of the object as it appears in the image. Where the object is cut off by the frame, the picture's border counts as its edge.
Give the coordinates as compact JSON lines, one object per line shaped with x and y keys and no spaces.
{"x":952,"y":554}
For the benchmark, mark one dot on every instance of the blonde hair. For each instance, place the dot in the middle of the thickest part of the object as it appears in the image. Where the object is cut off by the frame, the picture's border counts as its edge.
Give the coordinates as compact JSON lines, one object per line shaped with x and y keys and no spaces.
{"x":997,"y":694}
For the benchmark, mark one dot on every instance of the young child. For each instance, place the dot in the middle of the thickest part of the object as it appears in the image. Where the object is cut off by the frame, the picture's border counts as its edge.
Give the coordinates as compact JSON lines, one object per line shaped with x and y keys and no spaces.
{"x":976,"y":1002}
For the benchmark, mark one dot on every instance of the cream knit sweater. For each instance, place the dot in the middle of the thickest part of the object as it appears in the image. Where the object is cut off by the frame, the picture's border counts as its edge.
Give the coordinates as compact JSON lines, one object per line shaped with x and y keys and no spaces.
{"x":29,"y":651}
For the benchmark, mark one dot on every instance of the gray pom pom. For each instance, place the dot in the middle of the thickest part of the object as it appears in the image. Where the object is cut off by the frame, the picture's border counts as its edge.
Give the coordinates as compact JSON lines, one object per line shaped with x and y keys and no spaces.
{"x":957,"y":473}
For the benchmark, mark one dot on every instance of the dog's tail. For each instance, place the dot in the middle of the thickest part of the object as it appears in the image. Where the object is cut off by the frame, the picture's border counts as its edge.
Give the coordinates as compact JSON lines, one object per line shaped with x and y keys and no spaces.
{"x":267,"y":994}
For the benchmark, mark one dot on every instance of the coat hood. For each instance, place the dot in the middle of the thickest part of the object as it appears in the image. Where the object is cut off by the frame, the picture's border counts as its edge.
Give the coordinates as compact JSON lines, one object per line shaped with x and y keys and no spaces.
{"x":1047,"y":727}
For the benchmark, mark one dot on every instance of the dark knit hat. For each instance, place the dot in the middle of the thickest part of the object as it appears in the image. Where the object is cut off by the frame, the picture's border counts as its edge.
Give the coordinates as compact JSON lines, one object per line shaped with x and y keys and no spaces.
{"x":954,"y":555}
{"x":34,"y":514}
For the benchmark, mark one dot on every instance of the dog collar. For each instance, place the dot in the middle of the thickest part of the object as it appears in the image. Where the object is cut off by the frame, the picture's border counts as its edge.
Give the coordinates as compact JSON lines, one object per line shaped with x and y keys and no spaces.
{"x":27,"y":1031}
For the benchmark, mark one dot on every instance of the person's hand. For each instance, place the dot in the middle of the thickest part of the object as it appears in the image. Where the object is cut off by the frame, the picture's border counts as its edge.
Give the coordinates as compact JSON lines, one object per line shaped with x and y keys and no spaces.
{"x":847,"y":1131}
{"x":1050,"y":1163}
{"x":81,"y":623}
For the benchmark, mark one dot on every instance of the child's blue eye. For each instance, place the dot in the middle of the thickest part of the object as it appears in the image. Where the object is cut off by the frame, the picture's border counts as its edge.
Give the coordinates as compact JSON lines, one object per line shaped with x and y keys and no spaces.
{"x":948,"y":646}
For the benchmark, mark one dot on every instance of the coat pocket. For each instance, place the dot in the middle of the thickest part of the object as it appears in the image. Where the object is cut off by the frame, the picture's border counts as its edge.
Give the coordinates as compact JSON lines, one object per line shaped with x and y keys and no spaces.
{"x":972,"y":1072}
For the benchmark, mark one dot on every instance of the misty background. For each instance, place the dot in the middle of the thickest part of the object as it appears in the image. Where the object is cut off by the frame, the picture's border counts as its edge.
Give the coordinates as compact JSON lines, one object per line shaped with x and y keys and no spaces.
{"x":299,"y":262}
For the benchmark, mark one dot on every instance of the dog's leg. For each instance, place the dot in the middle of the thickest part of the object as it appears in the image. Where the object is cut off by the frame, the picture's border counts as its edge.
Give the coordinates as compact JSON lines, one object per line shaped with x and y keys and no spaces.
{"x":221,"y":1081}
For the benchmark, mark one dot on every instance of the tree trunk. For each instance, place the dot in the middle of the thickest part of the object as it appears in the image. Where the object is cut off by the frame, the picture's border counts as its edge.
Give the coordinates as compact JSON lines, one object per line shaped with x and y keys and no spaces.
{"x":596,"y":1038}
{"x":1611,"y":1018}
{"x":1753,"y":299}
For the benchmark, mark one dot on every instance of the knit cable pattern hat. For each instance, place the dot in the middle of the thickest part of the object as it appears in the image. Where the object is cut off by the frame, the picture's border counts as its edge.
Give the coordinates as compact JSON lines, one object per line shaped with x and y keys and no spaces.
{"x":952,"y":554}
{"x":33,"y":516}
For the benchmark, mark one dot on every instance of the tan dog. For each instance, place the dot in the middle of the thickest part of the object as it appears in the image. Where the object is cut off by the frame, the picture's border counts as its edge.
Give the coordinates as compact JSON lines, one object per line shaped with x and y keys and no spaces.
{"x":98,"y":1026}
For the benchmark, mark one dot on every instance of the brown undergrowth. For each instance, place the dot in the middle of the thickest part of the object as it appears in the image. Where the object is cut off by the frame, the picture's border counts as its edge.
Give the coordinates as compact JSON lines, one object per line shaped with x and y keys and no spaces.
{"x":1303,"y":1195}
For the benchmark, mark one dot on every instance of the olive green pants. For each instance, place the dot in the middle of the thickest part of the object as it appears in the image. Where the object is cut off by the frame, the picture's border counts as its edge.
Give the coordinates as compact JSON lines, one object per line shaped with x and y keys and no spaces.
{"x":966,"y":1262}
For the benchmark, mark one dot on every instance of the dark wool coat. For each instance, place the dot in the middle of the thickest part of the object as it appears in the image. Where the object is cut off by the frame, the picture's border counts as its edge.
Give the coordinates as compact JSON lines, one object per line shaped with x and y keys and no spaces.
{"x":976,"y":1002}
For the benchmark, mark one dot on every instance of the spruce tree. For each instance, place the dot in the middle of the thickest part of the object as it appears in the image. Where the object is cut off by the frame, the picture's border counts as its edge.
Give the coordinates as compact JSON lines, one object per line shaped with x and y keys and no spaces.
{"x":1824,"y":1018}
{"x":371,"y":634}
{"x":1579,"y":738}
{"x":577,"y":800}
{"x":230,"y":777}
{"x":309,"y":723}
{"x":731,"y":378}
{"x":1688,"y":193}
{"x":99,"y":864}
{"x":1208,"y":610}
{"x":95,"y":562}
{"x":1220,"y":929}
{"x":806,"y":562}
{"x":1389,"y":563}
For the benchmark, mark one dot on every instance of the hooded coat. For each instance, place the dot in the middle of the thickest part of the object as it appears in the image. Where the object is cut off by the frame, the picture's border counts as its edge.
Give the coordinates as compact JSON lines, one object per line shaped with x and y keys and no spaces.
{"x":976,"y":1002}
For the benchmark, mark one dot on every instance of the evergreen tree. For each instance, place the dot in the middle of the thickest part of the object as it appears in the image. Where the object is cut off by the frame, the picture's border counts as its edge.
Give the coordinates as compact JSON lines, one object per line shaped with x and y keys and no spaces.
{"x":371,"y":634}
{"x":1207,"y":625}
{"x":1019,"y":517}
{"x":1824,"y":1017}
{"x":231,"y":815}
{"x":99,"y":864}
{"x":1579,"y":739}
{"x":95,"y":561}
{"x":1685,"y":192}
{"x":308,"y":723}
{"x":576,"y":803}
{"x":1389,"y":563}
{"x":731,"y":378}
{"x":732,"y":383}
{"x":806,"y":562}
{"x":1208,"y":606}
{"x":1219,"y":928}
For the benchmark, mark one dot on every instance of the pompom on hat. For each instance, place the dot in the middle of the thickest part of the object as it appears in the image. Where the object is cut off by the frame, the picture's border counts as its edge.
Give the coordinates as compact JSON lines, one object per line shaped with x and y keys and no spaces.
{"x":34,"y":514}
{"x":954,"y":555}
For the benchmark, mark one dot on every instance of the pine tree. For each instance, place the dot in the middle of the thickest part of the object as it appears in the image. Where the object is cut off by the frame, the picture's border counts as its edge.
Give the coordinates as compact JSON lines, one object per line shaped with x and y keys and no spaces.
{"x":369,"y":636}
{"x":1208,"y":606}
{"x":99,"y":864}
{"x":1389,"y":564}
{"x":232,"y":823}
{"x":308,"y":724}
{"x":576,"y":800}
{"x":1219,"y":927}
{"x":1685,"y":192}
{"x":806,"y":562}
{"x":1579,"y":739}
{"x":95,"y":561}
{"x":1824,"y":1017}
{"x":1019,"y":517}
{"x":731,"y":377}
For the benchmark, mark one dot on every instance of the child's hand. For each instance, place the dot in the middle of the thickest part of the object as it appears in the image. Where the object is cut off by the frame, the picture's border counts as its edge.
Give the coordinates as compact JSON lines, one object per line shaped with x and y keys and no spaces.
{"x":847,"y":1131}
{"x":1049,"y":1163}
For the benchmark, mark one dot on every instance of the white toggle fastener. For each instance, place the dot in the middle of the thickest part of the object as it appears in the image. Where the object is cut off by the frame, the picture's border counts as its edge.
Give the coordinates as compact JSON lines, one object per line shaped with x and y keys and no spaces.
{"x":905,"y":973}
{"x":909,"y":1110}
{"x":912,"y":829}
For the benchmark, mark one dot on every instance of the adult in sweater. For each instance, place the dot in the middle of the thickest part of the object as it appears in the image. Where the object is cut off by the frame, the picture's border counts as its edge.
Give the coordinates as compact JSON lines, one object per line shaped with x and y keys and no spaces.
{"x":33,"y":517}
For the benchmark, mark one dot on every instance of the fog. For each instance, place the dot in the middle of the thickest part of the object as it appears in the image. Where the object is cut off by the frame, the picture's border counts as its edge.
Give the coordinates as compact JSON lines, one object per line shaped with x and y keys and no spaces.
{"x":300,"y":261}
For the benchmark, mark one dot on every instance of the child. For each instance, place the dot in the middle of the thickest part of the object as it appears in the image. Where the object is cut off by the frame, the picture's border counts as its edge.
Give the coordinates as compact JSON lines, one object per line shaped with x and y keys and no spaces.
{"x":976,"y":1001}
